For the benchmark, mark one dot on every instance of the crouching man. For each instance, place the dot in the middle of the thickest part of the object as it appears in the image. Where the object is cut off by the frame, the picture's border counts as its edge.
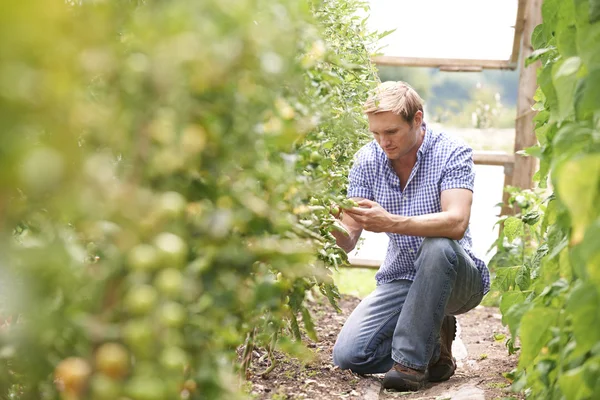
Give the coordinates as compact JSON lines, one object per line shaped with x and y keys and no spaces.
{"x":416,"y":185}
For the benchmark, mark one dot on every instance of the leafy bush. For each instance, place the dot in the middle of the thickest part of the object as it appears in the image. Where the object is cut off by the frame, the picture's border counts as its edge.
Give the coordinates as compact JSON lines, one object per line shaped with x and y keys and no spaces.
{"x":166,"y":170}
{"x":551,"y":294}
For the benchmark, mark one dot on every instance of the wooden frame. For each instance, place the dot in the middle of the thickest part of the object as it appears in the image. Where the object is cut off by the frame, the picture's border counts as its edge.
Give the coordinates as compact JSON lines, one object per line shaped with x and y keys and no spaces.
{"x":463,"y":64}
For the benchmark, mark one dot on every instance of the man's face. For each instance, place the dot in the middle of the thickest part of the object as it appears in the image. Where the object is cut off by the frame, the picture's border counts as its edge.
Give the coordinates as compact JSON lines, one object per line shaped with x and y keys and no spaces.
{"x":395,"y":136}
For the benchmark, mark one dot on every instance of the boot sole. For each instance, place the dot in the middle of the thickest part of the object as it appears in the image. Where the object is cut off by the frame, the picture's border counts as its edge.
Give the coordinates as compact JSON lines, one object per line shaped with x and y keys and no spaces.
{"x":402,"y":385}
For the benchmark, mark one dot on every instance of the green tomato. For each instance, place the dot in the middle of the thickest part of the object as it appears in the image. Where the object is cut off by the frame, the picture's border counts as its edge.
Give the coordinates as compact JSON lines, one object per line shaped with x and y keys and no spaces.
{"x":174,"y":359}
{"x":348,"y":203}
{"x":169,"y":282}
{"x":143,"y":257}
{"x":172,"y":314}
{"x":104,"y":388}
{"x":145,"y":388}
{"x":137,"y":334}
{"x":141,"y":299}
{"x":315,"y":157}
{"x":172,"y":249}
{"x":171,"y":205}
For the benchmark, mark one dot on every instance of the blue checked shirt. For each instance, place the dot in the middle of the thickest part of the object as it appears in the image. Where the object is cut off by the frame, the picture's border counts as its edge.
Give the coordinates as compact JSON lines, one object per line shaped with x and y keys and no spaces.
{"x":443,"y":162}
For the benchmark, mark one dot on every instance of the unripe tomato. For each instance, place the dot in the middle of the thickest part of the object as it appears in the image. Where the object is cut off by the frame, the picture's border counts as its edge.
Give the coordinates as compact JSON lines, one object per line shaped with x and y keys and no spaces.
{"x":71,"y":376}
{"x":315,"y":157}
{"x":104,"y":388}
{"x":172,"y":314}
{"x":172,"y":249}
{"x":112,"y":359}
{"x":173,"y":359}
{"x":171,"y":205}
{"x":169,"y":282}
{"x":141,"y":299}
{"x":145,"y":388}
{"x":143,"y":257}
{"x":137,"y":334}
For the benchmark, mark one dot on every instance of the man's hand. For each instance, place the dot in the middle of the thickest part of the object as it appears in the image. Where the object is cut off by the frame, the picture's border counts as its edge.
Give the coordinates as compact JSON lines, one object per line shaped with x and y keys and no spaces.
{"x":371,"y":216}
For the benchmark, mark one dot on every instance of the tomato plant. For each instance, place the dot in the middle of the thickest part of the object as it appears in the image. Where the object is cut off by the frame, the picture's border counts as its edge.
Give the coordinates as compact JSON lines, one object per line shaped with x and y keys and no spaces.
{"x":166,"y":174}
{"x":550,"y":285}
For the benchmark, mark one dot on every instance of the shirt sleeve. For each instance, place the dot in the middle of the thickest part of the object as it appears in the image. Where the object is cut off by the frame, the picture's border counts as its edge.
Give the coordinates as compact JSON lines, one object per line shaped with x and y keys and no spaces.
{"x":459,"y":172}
{"x":359,"y":183}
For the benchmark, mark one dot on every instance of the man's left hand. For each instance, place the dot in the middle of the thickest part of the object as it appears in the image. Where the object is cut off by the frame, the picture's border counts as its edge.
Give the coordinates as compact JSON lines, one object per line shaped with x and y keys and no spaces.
{"x":371,"y":216}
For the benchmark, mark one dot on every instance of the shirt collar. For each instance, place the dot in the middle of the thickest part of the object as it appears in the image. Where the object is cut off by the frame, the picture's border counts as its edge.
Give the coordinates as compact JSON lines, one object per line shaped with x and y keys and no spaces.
{"x":426,"y":141}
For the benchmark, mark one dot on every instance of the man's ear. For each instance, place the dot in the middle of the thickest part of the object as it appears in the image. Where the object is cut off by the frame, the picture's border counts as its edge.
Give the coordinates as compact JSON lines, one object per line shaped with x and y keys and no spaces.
{"x":418,"y":119}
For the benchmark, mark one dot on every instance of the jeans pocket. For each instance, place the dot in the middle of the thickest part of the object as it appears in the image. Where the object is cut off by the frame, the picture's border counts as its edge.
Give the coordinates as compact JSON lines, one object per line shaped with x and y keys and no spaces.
{"x":470,"y":304}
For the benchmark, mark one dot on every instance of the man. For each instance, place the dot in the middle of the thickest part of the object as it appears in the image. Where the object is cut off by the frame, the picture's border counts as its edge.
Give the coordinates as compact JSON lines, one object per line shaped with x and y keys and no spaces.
{"x":417,"y":186}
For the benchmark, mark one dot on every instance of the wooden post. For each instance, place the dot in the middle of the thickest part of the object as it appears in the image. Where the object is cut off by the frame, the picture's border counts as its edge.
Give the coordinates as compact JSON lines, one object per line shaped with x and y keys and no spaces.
{"x":524,"y":167}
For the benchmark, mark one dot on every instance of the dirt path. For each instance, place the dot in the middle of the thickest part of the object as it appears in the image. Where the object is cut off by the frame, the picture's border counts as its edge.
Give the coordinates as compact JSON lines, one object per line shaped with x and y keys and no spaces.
{"x":481,"y":360}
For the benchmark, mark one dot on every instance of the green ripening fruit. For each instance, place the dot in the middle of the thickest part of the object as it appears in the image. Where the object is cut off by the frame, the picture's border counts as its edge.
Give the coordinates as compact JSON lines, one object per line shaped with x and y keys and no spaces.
{"x":173,"y":359}
{"x":169,"y":282}
{"x":104,"y":388}
{"x":171,"y":205}
{"x":172,"y":314}
{"x":145,"y":388}
{"x":172,"y":249}
{"x":348,"y":203}
{"x":141,"y":299}
{"x":143,"y":257}
{"x":337,"y":226}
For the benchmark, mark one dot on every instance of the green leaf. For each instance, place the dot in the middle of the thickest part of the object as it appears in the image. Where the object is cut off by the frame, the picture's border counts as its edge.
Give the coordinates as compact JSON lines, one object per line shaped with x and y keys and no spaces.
{"x":573,"y":181}
{"x":569,"y":67}
{"x":564,"y":80}
{"x":584,"y":306}
{"x":538,"y":37}
{"x":512,"y":307}
{"x":537,"y":54}
{"x":505,"y":278}
{"x":513,"y":227}
{"x":535,"y":332}
{"x":523,"y":278}
{"x":594,"y":11}
{"x":587,"y":95}
{"x":572,"y":385}
{"x":309,"y":324}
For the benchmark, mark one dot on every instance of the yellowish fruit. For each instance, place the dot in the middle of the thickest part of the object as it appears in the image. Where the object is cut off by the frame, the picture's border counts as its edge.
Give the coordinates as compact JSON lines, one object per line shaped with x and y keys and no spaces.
{"x":112,"y":359}
{"x":71,"y":376}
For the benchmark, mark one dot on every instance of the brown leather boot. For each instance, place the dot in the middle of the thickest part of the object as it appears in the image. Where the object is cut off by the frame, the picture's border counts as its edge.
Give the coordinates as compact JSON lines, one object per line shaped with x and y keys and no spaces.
{"x":444,"y":368}
{"x":404,"y":379}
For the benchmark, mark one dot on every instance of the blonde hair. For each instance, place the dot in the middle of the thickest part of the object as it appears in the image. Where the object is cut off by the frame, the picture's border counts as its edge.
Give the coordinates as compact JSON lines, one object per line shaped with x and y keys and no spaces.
{"x":395,"y":96}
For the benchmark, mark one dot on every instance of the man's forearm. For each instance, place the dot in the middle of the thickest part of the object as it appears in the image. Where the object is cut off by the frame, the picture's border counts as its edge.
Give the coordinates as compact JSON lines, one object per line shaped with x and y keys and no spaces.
{"x":442,"y":224}
{"x":346,"y":242}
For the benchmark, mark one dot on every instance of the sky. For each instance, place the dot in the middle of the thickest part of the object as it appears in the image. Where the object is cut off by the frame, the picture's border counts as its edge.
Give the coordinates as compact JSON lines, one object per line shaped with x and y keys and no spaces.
{"x":479,"y":29}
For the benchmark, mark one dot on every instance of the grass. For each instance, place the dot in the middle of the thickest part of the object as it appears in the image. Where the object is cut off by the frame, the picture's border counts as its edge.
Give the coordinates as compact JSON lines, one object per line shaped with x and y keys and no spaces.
{"x":355,"y":281}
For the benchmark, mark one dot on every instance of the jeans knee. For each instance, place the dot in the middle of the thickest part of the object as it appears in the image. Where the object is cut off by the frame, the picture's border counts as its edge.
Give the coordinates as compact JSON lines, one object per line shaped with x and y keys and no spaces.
{"x":438,"y":248}
{"x":346,"y":358}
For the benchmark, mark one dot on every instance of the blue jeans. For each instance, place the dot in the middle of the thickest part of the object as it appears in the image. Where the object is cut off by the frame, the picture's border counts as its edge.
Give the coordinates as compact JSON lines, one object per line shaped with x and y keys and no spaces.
{"x":401,"y":320}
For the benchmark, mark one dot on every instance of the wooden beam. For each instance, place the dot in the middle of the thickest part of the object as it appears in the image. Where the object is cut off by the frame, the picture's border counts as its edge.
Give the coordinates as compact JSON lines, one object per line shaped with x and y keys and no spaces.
{"x":519,"y":25}
{"x":524,"y":126}
{"x":445,"y":63}
{"x":364,"y":263}
{"x":499,"y":158}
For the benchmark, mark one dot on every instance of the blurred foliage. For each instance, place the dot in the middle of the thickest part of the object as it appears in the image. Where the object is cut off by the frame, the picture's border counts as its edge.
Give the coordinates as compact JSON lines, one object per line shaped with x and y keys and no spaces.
{"x":166,"y":173}
{"x":550,"y":272}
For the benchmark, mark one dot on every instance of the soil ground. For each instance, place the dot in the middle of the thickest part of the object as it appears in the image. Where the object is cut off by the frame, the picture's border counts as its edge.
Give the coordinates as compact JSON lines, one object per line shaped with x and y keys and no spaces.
{"x":479,"y":374}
